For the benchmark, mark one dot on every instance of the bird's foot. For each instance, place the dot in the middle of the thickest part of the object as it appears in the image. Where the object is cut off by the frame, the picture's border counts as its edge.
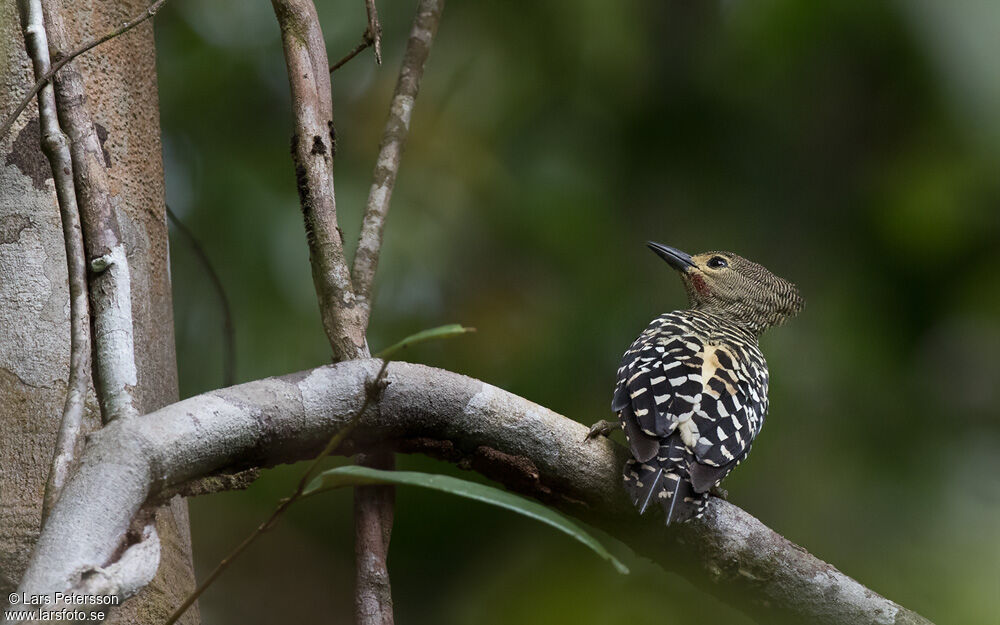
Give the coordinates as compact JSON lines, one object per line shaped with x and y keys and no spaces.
{"x":718,"y":491}
{"x":602,"y":428}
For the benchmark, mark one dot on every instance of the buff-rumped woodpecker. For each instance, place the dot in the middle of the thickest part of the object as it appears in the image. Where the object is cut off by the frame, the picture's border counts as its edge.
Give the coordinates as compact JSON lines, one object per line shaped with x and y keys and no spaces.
{"x":692,"y":389}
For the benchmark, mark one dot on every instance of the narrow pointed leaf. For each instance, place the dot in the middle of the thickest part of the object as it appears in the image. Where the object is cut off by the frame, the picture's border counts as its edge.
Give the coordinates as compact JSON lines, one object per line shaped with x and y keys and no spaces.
{"x":440,"y":332}
{"x":354,"y":475}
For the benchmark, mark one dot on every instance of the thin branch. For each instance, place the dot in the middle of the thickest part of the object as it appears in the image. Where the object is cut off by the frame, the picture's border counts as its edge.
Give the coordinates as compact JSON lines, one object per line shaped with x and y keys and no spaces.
{"x":56,"y":148}
{"x":309,"y":79}
{"x":397,"y":128}
{"x":372,"y":391}
{"x":374,"y":505}
{"x":365,"y":42}
{"x":228,"y":333}
{"x":373,"y":34}
{"x":312,"y":153}
{"x":90,"y":45}
{"x":374,"y":513}
{"x":110,"y":281}
{"x":526,"y":447}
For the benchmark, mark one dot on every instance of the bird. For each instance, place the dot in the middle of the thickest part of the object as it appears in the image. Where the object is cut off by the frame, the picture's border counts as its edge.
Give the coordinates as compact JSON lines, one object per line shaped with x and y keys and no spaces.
{"x":691,"y":392}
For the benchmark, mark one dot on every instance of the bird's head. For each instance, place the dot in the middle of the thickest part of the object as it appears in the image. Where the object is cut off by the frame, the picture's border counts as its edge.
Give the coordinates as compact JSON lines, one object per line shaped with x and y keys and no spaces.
{"x":733,"y":287}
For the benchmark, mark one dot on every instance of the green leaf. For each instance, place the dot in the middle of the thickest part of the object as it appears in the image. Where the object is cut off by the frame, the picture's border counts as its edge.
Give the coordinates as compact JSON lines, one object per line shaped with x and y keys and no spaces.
{"x":355,"y":475}
{"x":441,"y":332}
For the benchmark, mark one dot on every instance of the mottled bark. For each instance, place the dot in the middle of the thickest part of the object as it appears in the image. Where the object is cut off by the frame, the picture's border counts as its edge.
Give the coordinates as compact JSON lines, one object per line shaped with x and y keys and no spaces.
{"x":55,"y":145}
{"x":374,"y":505}
{"x":374,"y":509}
{"x":120,"y":84}
{"x":106,"y":257}
{"x":312,"y":153}
{"x":390,"y":151}
{"x":527,"y":447}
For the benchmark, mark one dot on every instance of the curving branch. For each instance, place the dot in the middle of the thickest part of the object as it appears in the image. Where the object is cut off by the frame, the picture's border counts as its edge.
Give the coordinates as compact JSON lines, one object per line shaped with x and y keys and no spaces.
{"x":56,"y":148}
{"x":527,"y":447}
{"x":110,"y":281}
{"x":390,"y":151}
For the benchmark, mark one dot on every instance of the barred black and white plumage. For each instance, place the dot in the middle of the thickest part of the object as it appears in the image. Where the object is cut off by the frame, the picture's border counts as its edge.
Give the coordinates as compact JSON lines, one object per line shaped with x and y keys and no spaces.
{"x":692,"y":389}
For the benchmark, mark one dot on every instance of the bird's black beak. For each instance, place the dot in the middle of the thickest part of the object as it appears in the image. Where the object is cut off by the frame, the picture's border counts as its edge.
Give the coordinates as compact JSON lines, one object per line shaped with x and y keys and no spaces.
{"x":674,"y":257}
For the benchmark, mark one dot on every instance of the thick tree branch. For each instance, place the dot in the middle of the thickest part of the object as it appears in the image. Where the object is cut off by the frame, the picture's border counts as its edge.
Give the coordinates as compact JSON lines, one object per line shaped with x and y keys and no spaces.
{"x":110,"y":282}
{"x":528,"y":448}
{"x":56,"y":148}
{"x":312,"y":153}
{"x":397,"y":127}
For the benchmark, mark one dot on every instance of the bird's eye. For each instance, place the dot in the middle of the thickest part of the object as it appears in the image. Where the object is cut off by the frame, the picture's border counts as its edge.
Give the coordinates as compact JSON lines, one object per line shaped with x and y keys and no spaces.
{"x":717,"y":262}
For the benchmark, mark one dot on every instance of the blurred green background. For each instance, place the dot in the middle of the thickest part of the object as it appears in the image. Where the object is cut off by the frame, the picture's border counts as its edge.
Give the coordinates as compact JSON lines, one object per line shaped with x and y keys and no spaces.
{"x":851,"y":146}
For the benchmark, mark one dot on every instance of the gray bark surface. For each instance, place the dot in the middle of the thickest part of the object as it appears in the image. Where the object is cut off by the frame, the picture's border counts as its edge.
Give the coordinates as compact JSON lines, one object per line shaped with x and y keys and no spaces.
{"x":527,"y":447}
{"x":120,"y":83}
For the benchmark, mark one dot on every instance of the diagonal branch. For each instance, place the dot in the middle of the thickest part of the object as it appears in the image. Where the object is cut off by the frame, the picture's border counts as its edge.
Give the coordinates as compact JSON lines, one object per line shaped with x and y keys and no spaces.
{"x":527,"y":447}
{"x":56,"y":148}
{"x":350,"y":55}
{"x":312,"y":153}
{"x":390,"y":151}
{"x":86,"y":47}
{"x":110,"y":282}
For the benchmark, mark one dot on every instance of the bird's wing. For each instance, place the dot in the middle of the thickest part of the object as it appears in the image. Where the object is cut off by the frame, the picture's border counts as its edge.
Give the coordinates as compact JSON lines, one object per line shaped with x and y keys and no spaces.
{"x":657,"y":375}
{"x":728,"y":415}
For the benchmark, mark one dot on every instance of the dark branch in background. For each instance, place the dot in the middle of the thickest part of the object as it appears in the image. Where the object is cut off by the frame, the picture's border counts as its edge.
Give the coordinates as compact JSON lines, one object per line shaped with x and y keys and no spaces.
{"x":228,"y":333}
{"x":373,"y":34}
{"x":312,"y":154}
{"x":110,"y":282}
{"x":524,"y":446}
{"x":397,"y":128}
{"x":56,"y":148}
{"x":47,"y":76}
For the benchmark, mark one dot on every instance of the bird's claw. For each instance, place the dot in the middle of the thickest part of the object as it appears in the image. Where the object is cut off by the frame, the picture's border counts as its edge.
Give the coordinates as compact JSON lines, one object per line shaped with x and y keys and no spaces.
{"x":718,"y":491}
{"x":602,"y":428}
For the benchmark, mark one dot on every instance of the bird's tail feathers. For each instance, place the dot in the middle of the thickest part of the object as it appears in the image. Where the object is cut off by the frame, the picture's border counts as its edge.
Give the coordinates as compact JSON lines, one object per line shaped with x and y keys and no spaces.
{"x":665,"y":483}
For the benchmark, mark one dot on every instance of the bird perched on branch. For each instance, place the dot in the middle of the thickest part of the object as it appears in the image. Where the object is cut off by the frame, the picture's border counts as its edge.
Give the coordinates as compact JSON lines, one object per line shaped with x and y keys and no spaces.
{"x":692,"y":389}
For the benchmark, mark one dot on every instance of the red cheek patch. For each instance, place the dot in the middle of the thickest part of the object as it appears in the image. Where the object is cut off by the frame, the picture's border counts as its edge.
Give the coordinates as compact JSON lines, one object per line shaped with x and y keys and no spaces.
{"x":699,"y":284}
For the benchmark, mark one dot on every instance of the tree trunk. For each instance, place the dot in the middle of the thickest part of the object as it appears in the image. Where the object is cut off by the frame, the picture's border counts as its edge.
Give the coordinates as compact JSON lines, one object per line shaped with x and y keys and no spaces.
{"x":120,"y":79}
